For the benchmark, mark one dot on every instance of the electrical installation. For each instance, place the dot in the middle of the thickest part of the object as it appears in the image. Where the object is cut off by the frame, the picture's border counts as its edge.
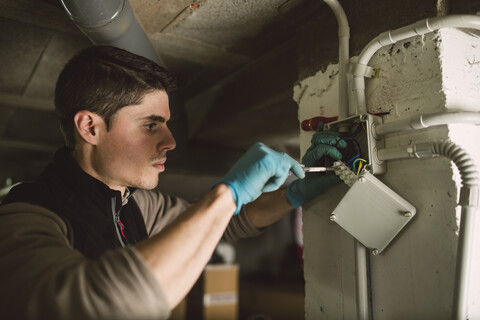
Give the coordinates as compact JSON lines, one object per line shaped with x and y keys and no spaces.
{"x":366,"y":155}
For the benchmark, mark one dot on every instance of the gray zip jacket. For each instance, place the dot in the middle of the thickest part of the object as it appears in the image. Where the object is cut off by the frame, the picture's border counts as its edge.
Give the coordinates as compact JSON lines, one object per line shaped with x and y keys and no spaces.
{"x":43,"y":277}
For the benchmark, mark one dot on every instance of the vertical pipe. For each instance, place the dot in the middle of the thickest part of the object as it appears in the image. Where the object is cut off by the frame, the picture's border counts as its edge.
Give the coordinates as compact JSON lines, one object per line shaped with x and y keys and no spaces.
{"x":469,"y":200}
{"x":343,"y":57}
{"x":361,"y":279}
{"x":462,"y":270}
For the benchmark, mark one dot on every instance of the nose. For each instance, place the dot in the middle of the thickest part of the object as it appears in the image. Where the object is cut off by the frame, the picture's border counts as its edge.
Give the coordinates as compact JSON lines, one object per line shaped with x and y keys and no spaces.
{"x":167,"y":142}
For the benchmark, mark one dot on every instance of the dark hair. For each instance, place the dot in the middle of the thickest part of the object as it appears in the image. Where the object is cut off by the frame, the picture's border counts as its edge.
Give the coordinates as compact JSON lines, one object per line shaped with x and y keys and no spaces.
{"x":104,"y":79}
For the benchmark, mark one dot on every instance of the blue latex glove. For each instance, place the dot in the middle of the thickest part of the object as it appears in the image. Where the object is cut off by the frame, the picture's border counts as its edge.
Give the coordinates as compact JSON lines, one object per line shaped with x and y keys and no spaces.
{"x":324,"y":143}
{"x":259,"y":170}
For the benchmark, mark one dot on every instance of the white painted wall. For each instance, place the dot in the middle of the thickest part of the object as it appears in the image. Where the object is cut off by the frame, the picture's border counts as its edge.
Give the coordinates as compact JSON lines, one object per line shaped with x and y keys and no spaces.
{"x":414,"y":277}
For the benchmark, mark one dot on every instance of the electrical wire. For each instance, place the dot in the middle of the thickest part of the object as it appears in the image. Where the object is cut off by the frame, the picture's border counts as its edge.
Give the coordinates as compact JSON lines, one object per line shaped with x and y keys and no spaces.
{"x":362,"y":162}
{"x":357,"y":144}
{"x":349,"y":162}
{"x":353,"y":150}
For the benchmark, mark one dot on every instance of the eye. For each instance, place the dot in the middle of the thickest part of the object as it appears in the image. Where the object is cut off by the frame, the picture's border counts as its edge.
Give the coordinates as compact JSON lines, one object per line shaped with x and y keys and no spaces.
{"x":150,"y":126}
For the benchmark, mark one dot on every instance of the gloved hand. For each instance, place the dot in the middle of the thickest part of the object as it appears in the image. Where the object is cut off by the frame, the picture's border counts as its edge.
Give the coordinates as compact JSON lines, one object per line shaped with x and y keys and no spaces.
{"x":259,"y":170}
{"x":324,"y":143}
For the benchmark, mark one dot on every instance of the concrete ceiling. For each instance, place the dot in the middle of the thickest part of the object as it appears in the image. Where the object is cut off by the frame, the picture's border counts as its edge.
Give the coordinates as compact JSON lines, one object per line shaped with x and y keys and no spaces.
{"x":223,"y":52}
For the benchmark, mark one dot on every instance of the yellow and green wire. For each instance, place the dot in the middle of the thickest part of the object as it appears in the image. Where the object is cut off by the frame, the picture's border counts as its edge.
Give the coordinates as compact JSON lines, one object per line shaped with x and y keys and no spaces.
{"x":361,"y":162}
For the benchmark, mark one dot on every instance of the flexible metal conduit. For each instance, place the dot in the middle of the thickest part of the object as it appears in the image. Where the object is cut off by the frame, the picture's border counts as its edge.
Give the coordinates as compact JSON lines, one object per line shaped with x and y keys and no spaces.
{"x":390,"y":37}
{"x":111,"y":22}
{"x":469,"y":200}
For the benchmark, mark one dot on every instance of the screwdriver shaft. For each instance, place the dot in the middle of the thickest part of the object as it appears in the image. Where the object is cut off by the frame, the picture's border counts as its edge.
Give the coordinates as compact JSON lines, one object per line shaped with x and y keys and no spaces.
{"x":314,"y":169}
{"x":317,"y":169}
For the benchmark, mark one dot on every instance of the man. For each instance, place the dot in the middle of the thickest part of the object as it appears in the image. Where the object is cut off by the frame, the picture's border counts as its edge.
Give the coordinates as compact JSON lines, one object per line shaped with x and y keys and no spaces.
{"x":88,"y":240}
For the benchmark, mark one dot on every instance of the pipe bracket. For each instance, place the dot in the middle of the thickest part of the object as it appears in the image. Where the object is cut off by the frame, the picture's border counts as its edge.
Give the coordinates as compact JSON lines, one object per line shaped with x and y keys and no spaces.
{"x":362,"y":70}
{"x":469,"y":196}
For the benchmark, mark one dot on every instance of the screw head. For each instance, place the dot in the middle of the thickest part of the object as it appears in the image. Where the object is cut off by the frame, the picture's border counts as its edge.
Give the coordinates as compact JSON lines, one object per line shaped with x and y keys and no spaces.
{"x":408,"y":214}
{"x":333,"y":217}
{"x":375,"y":252}
{"x":361,"y":179}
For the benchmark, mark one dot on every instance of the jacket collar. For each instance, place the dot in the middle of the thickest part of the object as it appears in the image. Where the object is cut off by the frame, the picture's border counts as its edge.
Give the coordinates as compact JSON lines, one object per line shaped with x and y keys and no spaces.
{"x":73,"y":175}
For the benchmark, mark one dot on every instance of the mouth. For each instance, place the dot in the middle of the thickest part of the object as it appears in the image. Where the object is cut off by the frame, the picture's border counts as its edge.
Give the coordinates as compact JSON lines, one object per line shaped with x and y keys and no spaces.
{"x":160,"y":165}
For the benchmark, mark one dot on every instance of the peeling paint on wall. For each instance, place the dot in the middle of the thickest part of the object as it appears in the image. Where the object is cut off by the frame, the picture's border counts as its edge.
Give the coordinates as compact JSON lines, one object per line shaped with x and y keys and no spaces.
{"x":410,"y":75}
{"x":316,"y":96}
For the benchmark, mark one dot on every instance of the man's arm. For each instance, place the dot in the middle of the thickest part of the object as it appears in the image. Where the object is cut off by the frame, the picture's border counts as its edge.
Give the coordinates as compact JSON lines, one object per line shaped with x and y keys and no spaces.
{"x":180,"y":252}
{"x":268,"y":208}
{"x":43,"y":277}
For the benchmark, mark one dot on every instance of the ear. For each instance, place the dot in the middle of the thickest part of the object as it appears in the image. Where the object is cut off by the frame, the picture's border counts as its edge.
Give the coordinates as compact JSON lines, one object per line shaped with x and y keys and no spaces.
{"x":88,"y":125}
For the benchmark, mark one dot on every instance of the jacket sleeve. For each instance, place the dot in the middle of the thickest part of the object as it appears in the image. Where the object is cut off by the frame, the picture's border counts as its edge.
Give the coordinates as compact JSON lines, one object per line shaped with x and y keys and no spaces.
{"x":43,"y":277}
{"x":159,"y":210}
{"x":241,"y":227}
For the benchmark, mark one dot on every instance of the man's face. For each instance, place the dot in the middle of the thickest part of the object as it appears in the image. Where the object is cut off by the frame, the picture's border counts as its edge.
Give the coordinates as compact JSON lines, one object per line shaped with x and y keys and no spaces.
{"x":133,"y":152}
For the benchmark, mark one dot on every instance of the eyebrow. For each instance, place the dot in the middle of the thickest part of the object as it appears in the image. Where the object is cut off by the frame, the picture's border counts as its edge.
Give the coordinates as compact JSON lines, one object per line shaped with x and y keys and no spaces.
{"x":154,"y":118}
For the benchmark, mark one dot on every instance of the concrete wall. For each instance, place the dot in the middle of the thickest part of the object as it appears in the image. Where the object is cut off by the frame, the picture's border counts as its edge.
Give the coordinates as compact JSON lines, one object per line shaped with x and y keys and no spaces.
{"x":414,"y":277}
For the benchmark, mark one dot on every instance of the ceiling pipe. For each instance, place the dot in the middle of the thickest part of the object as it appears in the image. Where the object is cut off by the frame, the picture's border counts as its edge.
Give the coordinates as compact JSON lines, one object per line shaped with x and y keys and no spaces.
{"x":113,"y":23}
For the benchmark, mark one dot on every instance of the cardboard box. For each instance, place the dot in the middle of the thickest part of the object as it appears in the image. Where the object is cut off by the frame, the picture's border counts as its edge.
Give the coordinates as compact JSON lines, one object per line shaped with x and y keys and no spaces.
{"x":215,"y":295}
{"x":281,"y":301}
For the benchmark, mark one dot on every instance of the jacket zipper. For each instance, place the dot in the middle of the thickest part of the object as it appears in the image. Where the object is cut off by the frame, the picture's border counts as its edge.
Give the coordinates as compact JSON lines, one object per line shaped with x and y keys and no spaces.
{"x":117,"y":223}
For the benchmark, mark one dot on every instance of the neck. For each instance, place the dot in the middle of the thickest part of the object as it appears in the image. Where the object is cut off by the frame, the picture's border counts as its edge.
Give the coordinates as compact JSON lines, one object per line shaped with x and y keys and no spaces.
{"x":84,"y":157}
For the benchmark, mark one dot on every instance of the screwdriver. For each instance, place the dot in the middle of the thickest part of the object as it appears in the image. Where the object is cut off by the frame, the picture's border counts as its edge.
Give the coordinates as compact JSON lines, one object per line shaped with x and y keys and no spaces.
{"x":317,"y":169}
{"x":314,"y":169}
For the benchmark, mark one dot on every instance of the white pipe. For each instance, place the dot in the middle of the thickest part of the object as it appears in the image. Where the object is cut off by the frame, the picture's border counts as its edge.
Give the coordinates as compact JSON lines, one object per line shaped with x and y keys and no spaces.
{"x":361,"y":272}
{"x":111,"y":22}
{"x":390,"y":37}
{"x":469,"y":200}
{"x":394,"y":153}
{"x":428,"y":120}
{"x":462,"y":269}
{"x":343,"y":57}
{"x":361,"y":281}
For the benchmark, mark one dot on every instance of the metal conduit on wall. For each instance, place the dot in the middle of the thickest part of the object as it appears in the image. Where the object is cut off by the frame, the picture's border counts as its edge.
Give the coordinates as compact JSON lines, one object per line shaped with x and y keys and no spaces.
{"x":469,"y":202}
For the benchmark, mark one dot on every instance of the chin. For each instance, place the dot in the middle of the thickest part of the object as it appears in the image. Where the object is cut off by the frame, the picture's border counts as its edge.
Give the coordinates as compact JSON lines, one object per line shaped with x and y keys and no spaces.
{"x":147,"y":185}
